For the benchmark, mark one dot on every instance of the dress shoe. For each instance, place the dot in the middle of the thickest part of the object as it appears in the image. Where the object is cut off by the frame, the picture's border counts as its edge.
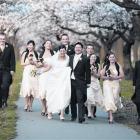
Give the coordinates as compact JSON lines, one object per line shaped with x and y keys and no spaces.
{"x":138,"y":121}
{"x":82,"y":120}
{"x":89,"y":117}
{"x":73,"y":119}
{"x":42,"y":113}
{"x":62,"y":118}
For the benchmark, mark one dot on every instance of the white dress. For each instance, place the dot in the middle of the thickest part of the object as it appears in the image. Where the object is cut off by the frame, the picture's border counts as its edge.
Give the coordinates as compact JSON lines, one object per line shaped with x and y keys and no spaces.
{"x":42,"y":79}
{"x":29,"y":85}
{"x":58,"y":85}
{"x":111,"y":91}
{"x":94,"y":93}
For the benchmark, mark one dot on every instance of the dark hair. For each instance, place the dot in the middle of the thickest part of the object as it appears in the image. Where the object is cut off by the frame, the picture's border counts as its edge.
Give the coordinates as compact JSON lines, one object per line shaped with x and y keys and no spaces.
{"x":64,"y":35}
{"x":43,"y":49}
{"x":27,"y":51}
{"x":96,"y":63}
{"x":62,"y":47}
{"x":108,"y":64}
{"x":79,"y":43}
{"x":31,"y":41}
{"x":2,"y":33}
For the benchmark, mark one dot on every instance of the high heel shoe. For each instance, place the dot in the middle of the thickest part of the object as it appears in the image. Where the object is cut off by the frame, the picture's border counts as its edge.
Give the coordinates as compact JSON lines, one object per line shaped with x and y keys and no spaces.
{"x":111,"y":122}
{"x":26,"y":108}
{"x":42,"y":113}
{"x":62,"y":118}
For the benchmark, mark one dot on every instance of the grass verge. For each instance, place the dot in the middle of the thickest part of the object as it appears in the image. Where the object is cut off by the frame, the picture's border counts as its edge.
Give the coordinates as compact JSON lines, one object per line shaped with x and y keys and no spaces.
{"x":8,"y":115}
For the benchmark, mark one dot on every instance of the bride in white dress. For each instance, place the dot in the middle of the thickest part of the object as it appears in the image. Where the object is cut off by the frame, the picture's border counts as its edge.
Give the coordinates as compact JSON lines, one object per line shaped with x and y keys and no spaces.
{"x":58,"y":84}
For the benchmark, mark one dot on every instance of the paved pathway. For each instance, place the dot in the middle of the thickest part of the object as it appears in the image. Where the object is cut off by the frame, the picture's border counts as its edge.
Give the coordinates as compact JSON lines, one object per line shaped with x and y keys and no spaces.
{"x":33,"y":126}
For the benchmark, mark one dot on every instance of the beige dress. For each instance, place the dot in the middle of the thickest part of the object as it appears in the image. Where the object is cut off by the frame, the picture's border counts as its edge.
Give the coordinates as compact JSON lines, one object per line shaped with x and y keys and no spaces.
{"x":94,"y":93}
{"x":29,"y":85}
{"x":111,"y":90}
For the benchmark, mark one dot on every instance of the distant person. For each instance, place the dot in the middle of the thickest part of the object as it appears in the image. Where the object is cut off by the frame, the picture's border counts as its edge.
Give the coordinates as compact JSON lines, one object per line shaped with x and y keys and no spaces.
{"x":136,"y":84}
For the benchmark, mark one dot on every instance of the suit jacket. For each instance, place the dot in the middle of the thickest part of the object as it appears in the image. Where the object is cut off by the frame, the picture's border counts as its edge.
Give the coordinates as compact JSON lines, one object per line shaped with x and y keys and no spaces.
{"x":70,"y":50}
{"x":7,"y":58}
{"x":136,"y":81}
{"x":81,"y":70}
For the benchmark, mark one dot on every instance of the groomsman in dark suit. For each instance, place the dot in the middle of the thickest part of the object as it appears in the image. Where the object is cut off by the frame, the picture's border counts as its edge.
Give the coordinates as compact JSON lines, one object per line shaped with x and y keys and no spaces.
{"x":80,"y":79}
{"x":65,"y":41}
{"x":7,"y":69}
{"x":90,"y":51}
{"x":70,"y":51}
{"x":136,"y":84}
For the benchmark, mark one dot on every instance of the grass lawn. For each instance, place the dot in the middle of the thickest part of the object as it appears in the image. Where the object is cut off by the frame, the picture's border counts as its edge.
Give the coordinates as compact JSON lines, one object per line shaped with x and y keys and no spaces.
{"x":8,"y":116}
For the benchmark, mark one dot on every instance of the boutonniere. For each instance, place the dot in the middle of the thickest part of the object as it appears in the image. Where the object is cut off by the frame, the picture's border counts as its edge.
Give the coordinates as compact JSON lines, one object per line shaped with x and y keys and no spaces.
{"x":6,"y":46}
{"x":80,"y":59}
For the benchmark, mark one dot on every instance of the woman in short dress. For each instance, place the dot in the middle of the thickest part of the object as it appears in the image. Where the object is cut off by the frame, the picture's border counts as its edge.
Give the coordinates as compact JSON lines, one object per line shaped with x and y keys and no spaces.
{"x":94,"y":93}
{"x":45,"y":58}
{"x":29,"y":85}
{"x":111,"y":74}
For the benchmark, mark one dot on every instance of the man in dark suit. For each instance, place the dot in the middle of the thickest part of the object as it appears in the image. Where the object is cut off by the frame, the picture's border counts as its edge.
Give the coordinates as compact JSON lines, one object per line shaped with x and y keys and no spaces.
{"x":65,"y":41}
{"x":80,"y":78}
{"x":136,"y":84}
{"x":89,"y":52}
{"x":70,"y":51}
{"x":7,"y":69}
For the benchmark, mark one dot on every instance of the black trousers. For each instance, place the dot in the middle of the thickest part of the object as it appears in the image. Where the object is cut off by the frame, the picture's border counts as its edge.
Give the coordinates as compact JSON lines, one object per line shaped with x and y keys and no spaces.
{"x":138,"y":109}
{"x":77,"y":97}
{"x":5,"y":82}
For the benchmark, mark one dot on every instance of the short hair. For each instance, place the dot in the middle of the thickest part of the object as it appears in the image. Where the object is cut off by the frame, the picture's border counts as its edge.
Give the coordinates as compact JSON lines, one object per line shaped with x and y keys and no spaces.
{"x":2,"y":33}
{"x":64,"y":35}
{"x":31,"y":41}
{"x":62,"y":47}
{"x":79,"y":43}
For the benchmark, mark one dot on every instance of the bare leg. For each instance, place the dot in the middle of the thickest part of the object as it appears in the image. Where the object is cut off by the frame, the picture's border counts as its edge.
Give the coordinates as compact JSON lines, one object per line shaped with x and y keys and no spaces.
{"x":31,"y":98}
{"x":49,"y":115}
{"x":110,"y":117}
{"x":62,"y":115}
{"x":44,"y":108}
{"x":89,"y":111}
{"x":26,"y":103}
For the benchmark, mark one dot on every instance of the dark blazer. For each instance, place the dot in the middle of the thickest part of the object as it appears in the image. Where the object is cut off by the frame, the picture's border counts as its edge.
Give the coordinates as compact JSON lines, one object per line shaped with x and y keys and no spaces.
{"x":70,"y":50}
{"x":82,"y":70}
{"x":7,"y":58}
{"x":136,"y":82}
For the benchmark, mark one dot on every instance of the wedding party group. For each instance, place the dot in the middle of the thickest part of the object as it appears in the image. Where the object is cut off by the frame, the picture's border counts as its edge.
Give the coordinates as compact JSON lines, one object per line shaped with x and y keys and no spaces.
{"x":66,"y":79}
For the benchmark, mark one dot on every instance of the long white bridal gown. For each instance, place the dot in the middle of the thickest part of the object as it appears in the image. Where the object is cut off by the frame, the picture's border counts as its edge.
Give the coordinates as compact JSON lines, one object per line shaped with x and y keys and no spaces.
{"x":58,"y":84}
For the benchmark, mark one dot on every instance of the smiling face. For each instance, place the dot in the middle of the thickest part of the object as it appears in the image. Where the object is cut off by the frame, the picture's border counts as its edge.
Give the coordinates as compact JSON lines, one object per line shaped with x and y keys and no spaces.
{"x":78,"y":49}
{"x":62,"y":52}
{"x":65,"y":40}
{"x":112,"y":58}
{"x":92,"y":58}
{"x":90,"y":50}
{"x":48,"y":45}
{"x":30,"y":47}
{"x":2,"y":39}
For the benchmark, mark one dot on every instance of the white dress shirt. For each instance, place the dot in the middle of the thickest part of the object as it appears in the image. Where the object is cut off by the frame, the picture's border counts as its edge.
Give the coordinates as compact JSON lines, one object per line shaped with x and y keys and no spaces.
{"x":75,"y":61}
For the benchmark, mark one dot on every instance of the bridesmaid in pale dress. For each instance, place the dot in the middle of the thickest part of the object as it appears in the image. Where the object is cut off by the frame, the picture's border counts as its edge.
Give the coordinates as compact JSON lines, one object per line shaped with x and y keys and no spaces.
{"x":94,"y":92}
{"x":29,"y":83}
{"x":45,"y":57}
{"x":111,"y":74}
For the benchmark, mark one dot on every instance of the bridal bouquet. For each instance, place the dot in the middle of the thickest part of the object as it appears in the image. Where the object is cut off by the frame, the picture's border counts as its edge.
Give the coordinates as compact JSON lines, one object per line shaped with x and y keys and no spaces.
{"x":33,"y":73}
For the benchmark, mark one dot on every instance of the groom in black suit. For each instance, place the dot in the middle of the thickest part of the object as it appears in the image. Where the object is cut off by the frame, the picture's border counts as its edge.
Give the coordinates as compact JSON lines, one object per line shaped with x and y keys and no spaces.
{"x":7,"y":69}
{"x":80,"y":78}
